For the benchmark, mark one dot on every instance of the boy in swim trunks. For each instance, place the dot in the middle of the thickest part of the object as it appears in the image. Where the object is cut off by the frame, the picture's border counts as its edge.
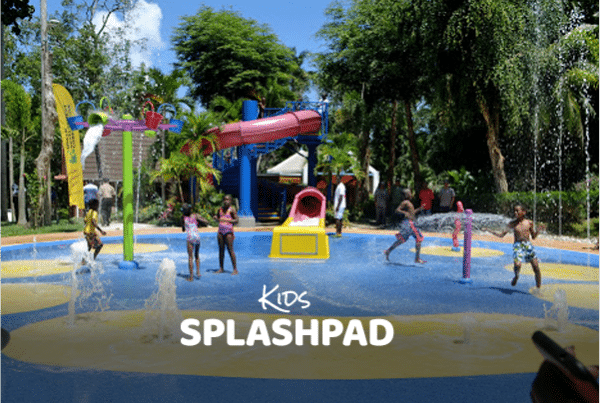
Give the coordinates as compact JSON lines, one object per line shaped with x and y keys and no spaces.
{"x":91,"y":224}
{"x":227,"y":216}
{"x":522,"y":247}
{"x":407,"y":227}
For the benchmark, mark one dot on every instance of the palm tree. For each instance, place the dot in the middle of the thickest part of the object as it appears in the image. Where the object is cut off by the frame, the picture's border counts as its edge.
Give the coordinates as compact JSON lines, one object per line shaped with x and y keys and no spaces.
{"x":338,"y":156}
{"x":188,"y":157}
{"x":18,"y":126}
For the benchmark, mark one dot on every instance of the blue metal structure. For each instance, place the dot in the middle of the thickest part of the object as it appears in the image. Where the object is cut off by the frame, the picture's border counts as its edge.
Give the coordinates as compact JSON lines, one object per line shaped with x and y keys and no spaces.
{"x":238,"y":164}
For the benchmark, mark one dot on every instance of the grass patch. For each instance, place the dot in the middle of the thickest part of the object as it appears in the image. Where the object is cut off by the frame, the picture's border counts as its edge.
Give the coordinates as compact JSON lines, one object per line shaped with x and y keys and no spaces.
{"x":13,"y":229}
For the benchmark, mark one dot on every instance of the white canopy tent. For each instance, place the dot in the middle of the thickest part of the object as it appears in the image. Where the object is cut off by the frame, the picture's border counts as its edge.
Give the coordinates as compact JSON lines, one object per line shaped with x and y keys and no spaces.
{"x":297,"y":165}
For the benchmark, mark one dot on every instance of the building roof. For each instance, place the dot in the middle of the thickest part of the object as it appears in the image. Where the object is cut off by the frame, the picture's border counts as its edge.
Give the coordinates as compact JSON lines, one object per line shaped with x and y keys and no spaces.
{"x":111,"y":155}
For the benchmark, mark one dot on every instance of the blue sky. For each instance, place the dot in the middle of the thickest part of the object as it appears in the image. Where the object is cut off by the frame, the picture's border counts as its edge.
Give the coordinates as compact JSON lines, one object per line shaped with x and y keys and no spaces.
{"x":294,"y":22}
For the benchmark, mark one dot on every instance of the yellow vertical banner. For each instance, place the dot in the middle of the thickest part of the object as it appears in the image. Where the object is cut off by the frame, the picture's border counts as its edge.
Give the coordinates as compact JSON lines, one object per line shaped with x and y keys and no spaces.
{"x":71,"y":145}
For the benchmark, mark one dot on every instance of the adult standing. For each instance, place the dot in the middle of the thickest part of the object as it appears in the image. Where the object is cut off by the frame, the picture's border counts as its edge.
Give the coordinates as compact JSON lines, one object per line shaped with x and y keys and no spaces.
{"x":446,"y":197}
{"x":381,"y":201}
{"x":339,"y":206}
{"x":107,"y":195}
{"x":90,"y":192}
{"x":397,"y":195}
{"x":426,"y":197}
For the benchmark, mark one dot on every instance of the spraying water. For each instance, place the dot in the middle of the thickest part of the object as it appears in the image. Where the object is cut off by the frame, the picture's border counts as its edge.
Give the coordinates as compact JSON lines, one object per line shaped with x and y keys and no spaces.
{"x":163,"y":318}
{"x":86,"y":288}
{"x":444,"y":222}
{"x":91,"y":139}
{"x":557,"y":316}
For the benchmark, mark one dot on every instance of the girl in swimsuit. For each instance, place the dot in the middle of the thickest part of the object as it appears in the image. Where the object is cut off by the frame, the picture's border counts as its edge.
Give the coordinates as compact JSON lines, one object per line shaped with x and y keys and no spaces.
{"x":190,"y":226}
{"x":227,"y":216}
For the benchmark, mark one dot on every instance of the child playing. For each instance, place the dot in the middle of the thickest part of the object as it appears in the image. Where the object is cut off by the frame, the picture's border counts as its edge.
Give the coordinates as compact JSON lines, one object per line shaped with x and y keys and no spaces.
{"x":457,"y":227}
{"x":190,"y":226}
{"x":522,"y":247}
{"x":91,"y":224}
{"x":227,"y":216}
{"x":407,"y":227}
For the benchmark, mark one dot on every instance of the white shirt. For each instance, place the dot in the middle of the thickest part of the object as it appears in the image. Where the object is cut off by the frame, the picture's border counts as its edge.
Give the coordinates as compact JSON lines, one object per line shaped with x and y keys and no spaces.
{"x":340,"y":190}
{"x":89,"y":192}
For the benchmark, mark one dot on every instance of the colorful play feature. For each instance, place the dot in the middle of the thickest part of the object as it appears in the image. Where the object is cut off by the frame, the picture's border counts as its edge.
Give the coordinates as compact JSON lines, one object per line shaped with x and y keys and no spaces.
{"x":302,"y":235}
{"x":291,"y":124}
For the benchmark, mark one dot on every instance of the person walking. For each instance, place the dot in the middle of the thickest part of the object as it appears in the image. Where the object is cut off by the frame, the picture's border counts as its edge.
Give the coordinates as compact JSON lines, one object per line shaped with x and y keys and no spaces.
{"x":339,"y":206}
{"x":107,"y":195}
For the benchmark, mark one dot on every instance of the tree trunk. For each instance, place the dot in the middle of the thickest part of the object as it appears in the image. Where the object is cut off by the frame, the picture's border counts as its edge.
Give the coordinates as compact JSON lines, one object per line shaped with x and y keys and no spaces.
{"x":393,"y":134}
{"x":99,"y":161}
{"x":414,"y":154}
{"x":492,"y":121}
{"x":22,"y":220}
{"x":180,"y":190}
{"x":362,"y":189}
{"x":5,"y":190}
{"x":11,"y":177}
{"x":42,"y":162}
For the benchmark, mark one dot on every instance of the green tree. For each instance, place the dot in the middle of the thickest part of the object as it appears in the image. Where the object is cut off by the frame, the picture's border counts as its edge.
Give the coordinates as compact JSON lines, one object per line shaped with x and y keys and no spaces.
{"x":338,"y":156}
{"x":376,"y":50}
{"x":18,"y":126}
{"x":13,"y":11}
{"x":188,"y":157}
{"x":225,"y":54}
{"x":481,"y":37}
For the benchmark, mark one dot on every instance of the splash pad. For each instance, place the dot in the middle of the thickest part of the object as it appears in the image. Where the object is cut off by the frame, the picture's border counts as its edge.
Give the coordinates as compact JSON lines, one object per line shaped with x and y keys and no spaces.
{"x":483,"y":329}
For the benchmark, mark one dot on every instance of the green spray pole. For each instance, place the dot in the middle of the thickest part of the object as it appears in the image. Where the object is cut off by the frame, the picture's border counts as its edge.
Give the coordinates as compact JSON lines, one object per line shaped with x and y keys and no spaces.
{"x":128,"y":196}
{"x":128,"y":263}
{"x":128,"y":126}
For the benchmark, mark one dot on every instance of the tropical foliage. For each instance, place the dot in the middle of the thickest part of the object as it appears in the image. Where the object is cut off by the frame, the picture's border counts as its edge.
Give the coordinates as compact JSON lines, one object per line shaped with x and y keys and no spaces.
{"x":498,"y":95}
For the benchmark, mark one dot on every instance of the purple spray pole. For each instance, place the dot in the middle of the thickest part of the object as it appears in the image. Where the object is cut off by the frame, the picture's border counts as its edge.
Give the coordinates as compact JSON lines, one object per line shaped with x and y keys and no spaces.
{"x":466,"y":277}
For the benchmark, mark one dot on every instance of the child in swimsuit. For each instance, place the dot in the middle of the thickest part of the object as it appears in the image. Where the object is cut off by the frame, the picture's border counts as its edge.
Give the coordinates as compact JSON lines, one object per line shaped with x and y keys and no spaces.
{"x":227,"y":216}
{"x":190,"y":226}
{"x":522,"y":247}
{"x":91,"y":224}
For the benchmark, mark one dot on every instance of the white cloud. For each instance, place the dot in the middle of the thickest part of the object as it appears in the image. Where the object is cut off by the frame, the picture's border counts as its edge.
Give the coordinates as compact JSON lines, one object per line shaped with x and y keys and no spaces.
{"x":143,"y":22}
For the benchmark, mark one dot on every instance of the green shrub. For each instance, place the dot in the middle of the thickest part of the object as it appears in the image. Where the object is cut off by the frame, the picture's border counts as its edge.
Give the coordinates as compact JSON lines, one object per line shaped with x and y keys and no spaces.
{"x":362,"y":212}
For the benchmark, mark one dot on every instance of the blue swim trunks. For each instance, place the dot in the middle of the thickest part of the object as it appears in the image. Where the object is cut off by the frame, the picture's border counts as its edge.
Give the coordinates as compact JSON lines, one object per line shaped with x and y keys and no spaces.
{"x":523,"y":252}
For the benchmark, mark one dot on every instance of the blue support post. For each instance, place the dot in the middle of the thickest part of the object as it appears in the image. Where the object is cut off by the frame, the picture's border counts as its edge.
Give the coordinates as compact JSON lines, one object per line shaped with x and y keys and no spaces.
{"x":312,"y":163}
{"x":246,"y":217}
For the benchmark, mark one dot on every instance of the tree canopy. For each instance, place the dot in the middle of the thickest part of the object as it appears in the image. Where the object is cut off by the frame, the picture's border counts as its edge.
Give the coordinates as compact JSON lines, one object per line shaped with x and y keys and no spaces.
{"x":15,"y":10}
{"x":228,"y":55}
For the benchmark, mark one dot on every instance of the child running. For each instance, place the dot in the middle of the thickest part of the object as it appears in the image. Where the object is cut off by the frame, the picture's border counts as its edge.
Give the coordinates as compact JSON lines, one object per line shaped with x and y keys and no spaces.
{"x":522,"y":247}
{"x":407,"y":227}
{"x":91,"y":224}
{"x":190,"y":226}
{"x":227,"y":216}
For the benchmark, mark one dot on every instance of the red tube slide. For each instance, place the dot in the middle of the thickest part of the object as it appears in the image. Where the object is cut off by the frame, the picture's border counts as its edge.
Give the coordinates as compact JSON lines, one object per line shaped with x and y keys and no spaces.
{"x":306,"y":122}
{"x":308,"y":203}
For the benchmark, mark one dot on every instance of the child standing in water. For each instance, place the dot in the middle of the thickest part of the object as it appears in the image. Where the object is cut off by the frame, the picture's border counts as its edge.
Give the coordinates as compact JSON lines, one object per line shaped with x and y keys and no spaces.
{"x":522,"y":247}
{"x":227,"y":216}
{"x":190,"y":226}
{"x":91,"y":224}
{"x":407,"y":227}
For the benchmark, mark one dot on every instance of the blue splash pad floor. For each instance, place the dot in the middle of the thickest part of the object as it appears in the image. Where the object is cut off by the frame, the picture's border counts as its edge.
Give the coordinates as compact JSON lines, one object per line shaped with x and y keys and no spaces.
{"x":355,"y":281}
